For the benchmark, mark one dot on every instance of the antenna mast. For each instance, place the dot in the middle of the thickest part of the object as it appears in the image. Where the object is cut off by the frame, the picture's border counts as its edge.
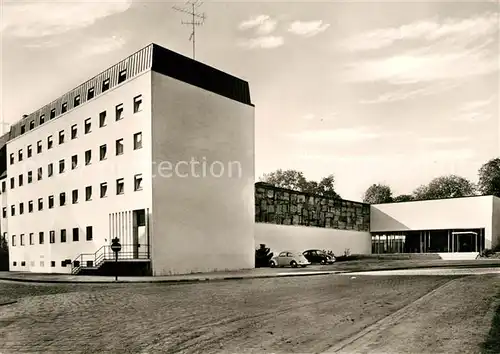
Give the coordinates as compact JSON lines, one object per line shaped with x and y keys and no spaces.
{"x":190,"y":9}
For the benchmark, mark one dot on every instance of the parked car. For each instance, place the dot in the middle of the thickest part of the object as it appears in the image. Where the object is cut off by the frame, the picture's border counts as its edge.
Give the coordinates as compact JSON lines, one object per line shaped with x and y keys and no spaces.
{"x":289,"y":258}
{"x":318,"y":256}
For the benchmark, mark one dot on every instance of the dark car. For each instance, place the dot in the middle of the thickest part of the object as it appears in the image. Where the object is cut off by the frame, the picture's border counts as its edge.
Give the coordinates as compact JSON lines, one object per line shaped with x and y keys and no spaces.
{"x":318,"y":256}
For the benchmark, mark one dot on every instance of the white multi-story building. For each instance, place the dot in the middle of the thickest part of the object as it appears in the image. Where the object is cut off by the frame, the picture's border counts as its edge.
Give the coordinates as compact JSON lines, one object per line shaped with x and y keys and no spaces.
{"x":157,"y":150}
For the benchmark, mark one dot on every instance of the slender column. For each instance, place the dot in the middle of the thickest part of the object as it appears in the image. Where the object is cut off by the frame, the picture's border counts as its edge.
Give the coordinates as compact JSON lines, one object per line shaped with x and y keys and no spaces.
{"x":448,"y":240}
{"x":148,"y":236}
{"x":420,"y":241}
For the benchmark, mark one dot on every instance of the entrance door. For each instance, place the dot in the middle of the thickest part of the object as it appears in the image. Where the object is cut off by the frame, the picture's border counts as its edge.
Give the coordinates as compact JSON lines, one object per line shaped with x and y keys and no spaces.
{"x":139,"y":232}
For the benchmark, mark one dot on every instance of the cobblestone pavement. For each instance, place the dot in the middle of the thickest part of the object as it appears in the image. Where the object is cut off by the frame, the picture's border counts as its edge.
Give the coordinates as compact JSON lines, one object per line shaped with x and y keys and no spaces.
{"x":281,"y":315}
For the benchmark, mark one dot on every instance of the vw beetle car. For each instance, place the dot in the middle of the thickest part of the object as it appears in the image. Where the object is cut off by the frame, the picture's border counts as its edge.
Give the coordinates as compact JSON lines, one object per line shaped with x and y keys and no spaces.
{"x":292,"y":259}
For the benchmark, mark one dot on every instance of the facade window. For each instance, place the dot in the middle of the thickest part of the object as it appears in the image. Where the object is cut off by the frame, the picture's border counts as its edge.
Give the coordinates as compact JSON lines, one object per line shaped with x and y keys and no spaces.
{"x":105,"y":85}
{"x":49,"y":142}
{"x":74,"y":161}
{"x":88,"y":125}
{"x":119,"y":147}
{"x":52,"y":263}
{"x":20,"y":155}
{"x":102,"y":119}
{"x":13,"y":241}
{"x":52,"y":236}
{"x":137,"y":141}
{"x":39,"y":174}
{"x":76,"y":235}
{"x":42,"y":264}
{"x":40,"y":203}
{"x":88,"y":157}
{"x":61,"y":137}
{"x":138,"y":182}
{"x":40,"y":238}
{"x":63,"y":235}
{"x":30,"y":176}
{"x":62,"y":199}
{"x":61,"y":166}
{"x":88,"y":193}
{"x":21,"y":239}
{"x":104,"y":190}
{"x":39,"y":147}
{"x":42,"y":119}
{"x":90,"y":93}
{"x":53,"y":113}
{"x":12,"y":210}
{"x":122,"y":76}
{"x":50,"y":169}
{"x":12,"y":158}
{"x":30,"y":206}
{"x":14,"y":263}
{"x":51,"y":201}
{"x":20,"y":180}
{"x":30,"y":151}
{"x":4,"y":212}
{"x":102,"y":152}
{"x":23,"y":129}
{"x":23,"y":263}
{"x":12,"y":183}
{"x":32,"y":241}
{"x":64,"y":107}
{"x":74,"y":196}
{"x":137,"y":103}
{"x":32,"y":124}
{"x":21,"y":208}
{"x":3,"y":186}
{"x":120,"y":186}
{"x":119,"y":112}
{"x":89,"y":233}
{"x":76,"y":101}
{"x":74,"y":131}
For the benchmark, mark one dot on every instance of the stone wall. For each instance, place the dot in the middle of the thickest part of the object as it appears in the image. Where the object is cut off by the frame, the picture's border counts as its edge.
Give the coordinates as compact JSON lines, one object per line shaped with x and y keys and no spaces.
{"x":286,"y":207}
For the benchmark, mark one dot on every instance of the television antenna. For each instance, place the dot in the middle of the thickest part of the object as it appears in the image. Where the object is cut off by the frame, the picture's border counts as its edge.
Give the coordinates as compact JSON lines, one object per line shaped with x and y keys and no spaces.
{"x":197,"y":19}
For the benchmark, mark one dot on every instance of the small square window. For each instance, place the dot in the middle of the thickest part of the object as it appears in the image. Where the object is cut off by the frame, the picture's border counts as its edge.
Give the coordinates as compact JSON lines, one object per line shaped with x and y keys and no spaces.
{"x":102,"y":152}
{"x":23,"y":263}
{"x":74,"y":131}
{"x":14,"y":263}
{"x":74,"y":161}
{"x":105,"y":85}
{"x":138,"y":182}
{"x":76,"y":235}
{"x":30,"y":206}
{"x":88,"y":193}
{"x":52,"y":113}
{"x":137,"y":103}
{"x":61,"y":137}
{"x":40,"y":238}
{"x":102,"y":119}
{"x":104,"y":189}
{"x":49,"y":142}
{"x":64,"y":107}
{"x":39,"y":174}
{"x":52,"y":236}
{"x":4,"y":212}
{"x":88,"y":157}
{"x":32,"y":239}
{"x":42,"y":264}
{"x":11,"y":158}
{"x":20,"y":155}
{"x":32,"y":124}
{"x":74,"y":196}
{"x":40,"y":203}
{"x":42,"y":119}
{"x":21,"y":208}
{"x":23,"y":129}
{"x":120,"y":186}
{"x":89,"y":233}
{"x":30,"y":151}
{"x":88,"y":125}
{"x":21,"y":239}
{"x":39,"y":146}
{"x":62,"y":199}
{"x":119,"y":147}
{"x":122,"y":76}
{"x":90,"y":93}
{"x":12,"y":183}
{"x":50,"y":169}
{"x":51,"y":201}
{"x":4,"y":187}
{"x":13,"y":241}
{"x":52,"y":263}
{"x":61,"y":166}
{"x":76,"y":102}
{"x":119,"y":112}
{"x":63,"y":235}
{"x":137,"y":141}
{"x":30,"y":176}
{"x":20,"y":180}
{"x":12,"y":210}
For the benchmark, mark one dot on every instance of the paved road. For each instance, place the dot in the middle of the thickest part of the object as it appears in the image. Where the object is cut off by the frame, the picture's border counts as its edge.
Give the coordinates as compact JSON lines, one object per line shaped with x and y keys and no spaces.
{"x":432,"y":271}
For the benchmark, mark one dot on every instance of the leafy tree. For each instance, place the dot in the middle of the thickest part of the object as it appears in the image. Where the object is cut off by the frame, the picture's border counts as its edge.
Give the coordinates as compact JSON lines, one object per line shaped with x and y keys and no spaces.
{"x":378,"y":194}
{"x":263,"y":256}
{"x":326,"y":187}
{"x":295,"y":180}
{"x":403,"y":198}
{"x":489,"y":178}
{"x":451,"y":186}
{"x":3,"y":244}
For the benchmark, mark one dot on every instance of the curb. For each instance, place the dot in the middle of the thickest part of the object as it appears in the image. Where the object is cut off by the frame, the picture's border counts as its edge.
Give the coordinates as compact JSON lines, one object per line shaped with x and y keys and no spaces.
{"x":495,"y":265}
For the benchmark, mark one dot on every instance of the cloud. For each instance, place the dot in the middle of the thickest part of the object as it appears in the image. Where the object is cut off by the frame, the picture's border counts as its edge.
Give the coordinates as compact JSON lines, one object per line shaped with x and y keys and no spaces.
{"x":476,"y":111}
{"x":444,"y":139}
{"x":34,"y":20}
{"x":335,"y":135}
{"x":264,"y":42}
{"x":263,"y":24}
{"x":98,"y":46}
{"x":309,"y":116}
{"x":308,"y":29}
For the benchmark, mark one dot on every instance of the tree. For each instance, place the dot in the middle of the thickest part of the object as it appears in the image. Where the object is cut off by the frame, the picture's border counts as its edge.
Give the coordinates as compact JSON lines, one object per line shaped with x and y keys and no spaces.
{"x":403,"y":198}
{"x":326,"y":187}
{"x":489,"y":178}
{"x":451,"y":186}
{"x":295,"y":180}
{"x":378,"y":194}
{"x":263,"y":256}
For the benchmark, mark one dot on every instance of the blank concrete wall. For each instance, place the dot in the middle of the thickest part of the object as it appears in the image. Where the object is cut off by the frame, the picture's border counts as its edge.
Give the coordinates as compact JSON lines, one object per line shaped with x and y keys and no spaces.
{"x":300,"y":238}
{"x":495,"y":229}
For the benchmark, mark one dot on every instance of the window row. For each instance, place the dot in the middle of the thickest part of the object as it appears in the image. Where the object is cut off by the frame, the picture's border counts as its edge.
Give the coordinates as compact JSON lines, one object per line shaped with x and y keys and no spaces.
{"x":52,"y":237}
{"x":74,"y":130}
{"x":103,"y":192}
{"x":103,"y":153}
{"x":64,"y":263}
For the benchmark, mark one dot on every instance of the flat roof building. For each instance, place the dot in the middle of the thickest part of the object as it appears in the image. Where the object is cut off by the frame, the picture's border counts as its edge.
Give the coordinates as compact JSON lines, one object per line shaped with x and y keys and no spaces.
{"x":153,"y":151}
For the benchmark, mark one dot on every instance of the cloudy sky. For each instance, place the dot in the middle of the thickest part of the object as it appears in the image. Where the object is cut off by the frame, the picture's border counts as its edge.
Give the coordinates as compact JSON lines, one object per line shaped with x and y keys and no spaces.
{"x":373,"y":92}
